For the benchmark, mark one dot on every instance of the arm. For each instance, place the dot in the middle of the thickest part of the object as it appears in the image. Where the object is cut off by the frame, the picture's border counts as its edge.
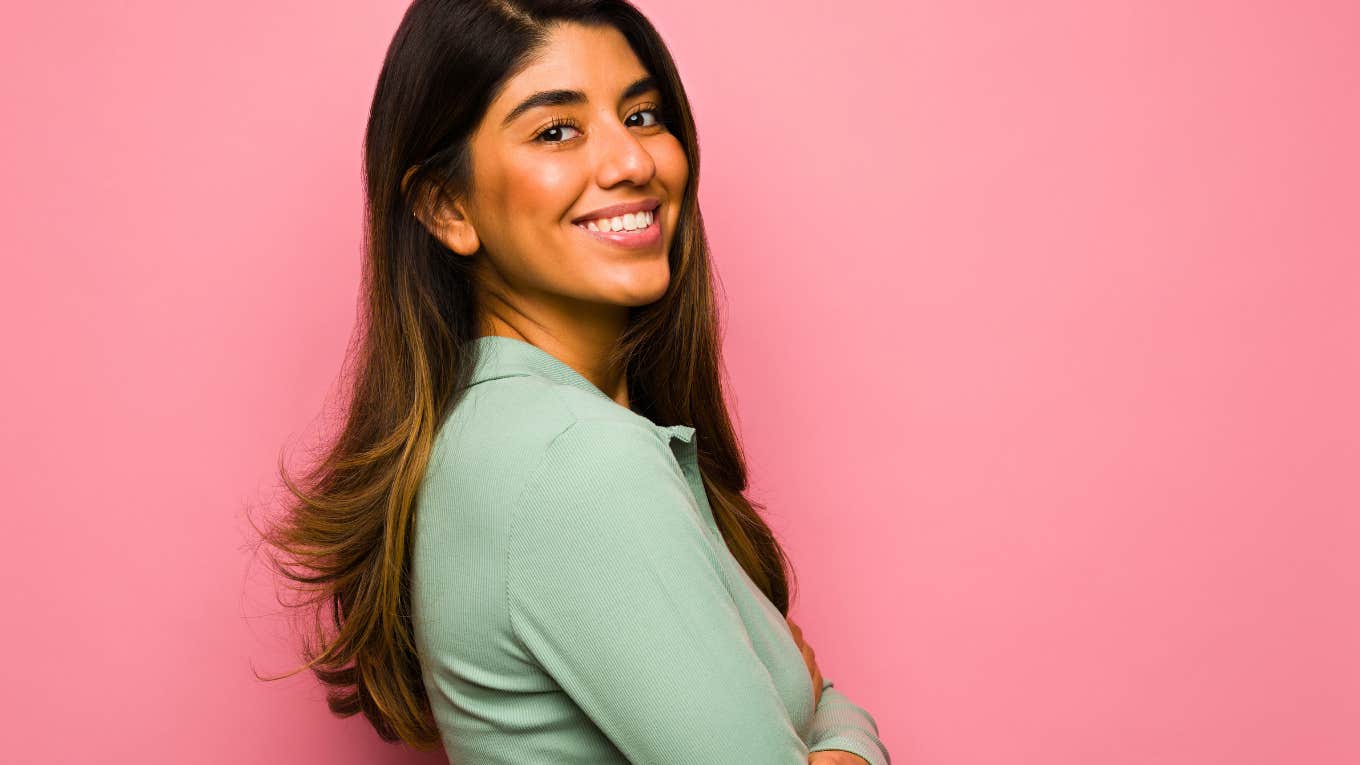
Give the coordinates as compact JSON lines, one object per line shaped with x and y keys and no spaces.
{"x":841,"y":724}
{"x":614,"y":590}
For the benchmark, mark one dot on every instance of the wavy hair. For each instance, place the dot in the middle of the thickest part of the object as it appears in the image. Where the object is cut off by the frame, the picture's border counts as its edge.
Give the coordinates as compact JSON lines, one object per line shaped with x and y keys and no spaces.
{"x":344,"y":540}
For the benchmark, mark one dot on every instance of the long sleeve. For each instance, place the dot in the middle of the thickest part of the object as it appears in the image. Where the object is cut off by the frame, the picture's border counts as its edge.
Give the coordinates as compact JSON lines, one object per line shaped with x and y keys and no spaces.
{"x":839,"y":723}
{"x":614,"y":590}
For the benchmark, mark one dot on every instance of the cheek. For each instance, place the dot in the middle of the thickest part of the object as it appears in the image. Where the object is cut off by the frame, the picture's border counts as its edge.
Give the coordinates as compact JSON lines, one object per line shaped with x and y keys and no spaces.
{"x":672,"y":169}
{"x":672,"y":165}
{"x":543,"y":186}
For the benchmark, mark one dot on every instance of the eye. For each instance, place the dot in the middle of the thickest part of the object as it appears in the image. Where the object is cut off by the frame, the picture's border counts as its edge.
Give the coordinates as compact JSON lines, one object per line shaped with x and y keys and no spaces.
{"x":657,"y":117}
{"x":554,"y":128}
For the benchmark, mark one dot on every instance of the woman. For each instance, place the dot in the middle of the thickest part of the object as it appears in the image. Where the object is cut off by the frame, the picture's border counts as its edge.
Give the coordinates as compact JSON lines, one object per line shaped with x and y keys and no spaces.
{"x":518,"y":558}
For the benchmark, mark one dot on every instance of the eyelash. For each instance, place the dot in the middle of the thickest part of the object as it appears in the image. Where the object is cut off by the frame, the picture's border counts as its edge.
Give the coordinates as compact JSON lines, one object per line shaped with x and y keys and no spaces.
{"x":568,"y":122}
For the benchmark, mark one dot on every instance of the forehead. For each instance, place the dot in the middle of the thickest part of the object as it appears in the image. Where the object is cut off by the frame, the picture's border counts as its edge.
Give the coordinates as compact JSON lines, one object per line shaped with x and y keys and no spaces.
{"x":594,"y":59}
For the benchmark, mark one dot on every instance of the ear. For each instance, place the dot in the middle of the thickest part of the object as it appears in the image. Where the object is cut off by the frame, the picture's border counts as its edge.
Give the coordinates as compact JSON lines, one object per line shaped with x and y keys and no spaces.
{"x":446,"y":220}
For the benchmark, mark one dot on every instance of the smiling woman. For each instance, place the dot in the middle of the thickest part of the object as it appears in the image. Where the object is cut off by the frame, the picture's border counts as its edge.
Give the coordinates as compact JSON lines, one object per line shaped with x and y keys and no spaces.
{"x":546,"y":158}
{"x":531,"y":534}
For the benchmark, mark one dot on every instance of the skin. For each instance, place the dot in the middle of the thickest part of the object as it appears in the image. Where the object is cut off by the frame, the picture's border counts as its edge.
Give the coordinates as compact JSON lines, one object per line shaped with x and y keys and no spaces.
{"x":829,"y":756}
{"x":809,"y":658}
{"x":836,"y":757}
{"x":540,"y":279}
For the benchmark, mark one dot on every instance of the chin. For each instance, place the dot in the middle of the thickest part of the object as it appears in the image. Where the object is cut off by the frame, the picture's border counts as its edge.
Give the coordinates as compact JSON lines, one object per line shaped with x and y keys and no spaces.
{"x":638,"y":283}
{"x":641,"y":293}
{"x":642,"y":297}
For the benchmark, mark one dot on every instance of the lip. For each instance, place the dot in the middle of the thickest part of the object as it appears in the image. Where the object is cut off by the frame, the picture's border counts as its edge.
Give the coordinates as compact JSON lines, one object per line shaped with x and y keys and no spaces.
{"x":637,"y":239}
{"x":650,"y":203}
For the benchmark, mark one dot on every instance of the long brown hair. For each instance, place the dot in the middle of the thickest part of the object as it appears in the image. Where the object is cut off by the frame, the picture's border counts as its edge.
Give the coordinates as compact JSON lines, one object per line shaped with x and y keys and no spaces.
{"x":344,"y":540}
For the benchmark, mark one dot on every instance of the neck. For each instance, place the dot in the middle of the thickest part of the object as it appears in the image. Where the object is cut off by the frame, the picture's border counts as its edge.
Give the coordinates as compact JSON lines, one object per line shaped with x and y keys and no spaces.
{"x":585,"y":351}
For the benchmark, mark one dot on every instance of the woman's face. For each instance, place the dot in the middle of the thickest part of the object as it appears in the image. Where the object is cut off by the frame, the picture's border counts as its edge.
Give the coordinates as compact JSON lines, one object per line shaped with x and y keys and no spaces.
{"x":542,"y":165}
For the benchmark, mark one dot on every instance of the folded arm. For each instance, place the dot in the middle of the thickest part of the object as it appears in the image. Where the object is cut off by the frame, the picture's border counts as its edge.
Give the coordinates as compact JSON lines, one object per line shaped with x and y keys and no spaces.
{"x":841,"y":724}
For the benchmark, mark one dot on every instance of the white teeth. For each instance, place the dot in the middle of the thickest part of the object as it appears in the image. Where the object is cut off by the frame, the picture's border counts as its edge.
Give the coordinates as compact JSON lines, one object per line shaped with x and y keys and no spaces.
{"x":628,"y":221}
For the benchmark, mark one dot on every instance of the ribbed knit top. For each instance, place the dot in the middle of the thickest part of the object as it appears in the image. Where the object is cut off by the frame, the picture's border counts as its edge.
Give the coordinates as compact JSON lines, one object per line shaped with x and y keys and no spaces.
{"x":574,"y":601}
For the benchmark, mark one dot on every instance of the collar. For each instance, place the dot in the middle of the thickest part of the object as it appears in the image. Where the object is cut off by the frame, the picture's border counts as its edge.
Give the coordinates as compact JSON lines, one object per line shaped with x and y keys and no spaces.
{"x":498,"y":357}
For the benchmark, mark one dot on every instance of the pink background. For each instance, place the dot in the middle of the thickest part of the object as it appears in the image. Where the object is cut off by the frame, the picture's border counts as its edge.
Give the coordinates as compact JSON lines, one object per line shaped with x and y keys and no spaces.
{"x":1041,"y":323}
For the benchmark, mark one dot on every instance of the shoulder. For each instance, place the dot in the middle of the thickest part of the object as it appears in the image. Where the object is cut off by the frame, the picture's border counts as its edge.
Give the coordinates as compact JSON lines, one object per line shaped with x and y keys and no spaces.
{"x":590,"y":450}
{"x":527,"y":413}
{"x":607,"y":501}
{"x":604,"y":478}
{"x":508,"y":432}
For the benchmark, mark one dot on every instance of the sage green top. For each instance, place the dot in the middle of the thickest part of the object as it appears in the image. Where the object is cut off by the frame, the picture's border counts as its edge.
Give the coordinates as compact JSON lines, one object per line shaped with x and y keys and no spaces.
{"x":574,"y":601}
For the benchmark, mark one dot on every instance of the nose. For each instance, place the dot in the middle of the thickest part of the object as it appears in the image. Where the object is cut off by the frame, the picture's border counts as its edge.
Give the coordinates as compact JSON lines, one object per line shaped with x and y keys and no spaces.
{"x":622,"y":157}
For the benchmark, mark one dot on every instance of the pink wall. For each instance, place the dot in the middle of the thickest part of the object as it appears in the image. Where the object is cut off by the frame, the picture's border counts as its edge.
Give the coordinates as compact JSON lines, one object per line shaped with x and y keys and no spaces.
{"x":1042,"y":324}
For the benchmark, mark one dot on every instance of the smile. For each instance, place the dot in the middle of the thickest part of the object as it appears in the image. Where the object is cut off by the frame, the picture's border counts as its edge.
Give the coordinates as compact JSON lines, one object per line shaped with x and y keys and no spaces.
{"x":630,"y":230}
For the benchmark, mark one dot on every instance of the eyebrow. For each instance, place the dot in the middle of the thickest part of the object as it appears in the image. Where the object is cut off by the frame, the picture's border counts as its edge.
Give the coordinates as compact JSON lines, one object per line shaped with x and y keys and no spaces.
{"x":569,"y":97}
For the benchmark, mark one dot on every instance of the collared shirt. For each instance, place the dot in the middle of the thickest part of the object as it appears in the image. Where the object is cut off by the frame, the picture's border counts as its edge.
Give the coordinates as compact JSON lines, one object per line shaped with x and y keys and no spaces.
{"x":574,"y":602}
